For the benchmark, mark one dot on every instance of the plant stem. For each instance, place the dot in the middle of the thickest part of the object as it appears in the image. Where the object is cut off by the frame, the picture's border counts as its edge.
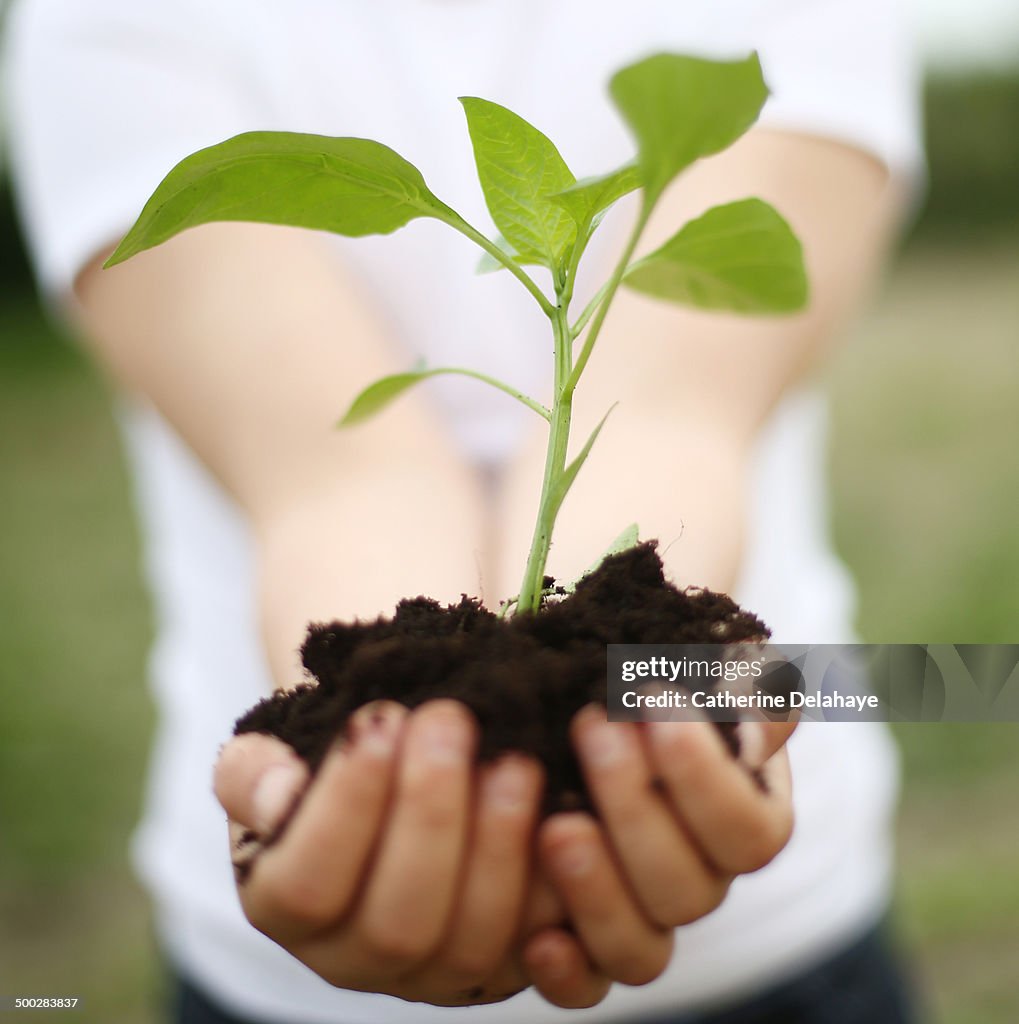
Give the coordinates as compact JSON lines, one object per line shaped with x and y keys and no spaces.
{"x":494,"y":382}
{"x":529,"y":599}
{"x":589,"y":310}
{"x":610,"y":293}
{"x":566,"y":377}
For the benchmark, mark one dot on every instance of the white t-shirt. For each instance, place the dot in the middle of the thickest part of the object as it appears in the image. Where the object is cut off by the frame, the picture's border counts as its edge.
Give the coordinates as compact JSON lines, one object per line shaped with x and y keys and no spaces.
{"x":106,"y":96}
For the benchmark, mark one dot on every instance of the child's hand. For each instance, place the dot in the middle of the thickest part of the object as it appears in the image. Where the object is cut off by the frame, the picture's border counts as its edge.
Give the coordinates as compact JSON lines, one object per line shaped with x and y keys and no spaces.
{"x":680,"y":818}
{"x":391,"y":874}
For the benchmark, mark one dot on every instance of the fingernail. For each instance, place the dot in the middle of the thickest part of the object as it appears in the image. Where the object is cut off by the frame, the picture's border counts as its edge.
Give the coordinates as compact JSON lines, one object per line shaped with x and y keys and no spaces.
{"x":275,"y":794}
{"x":603,"y":744}
{"x":555,"y":964}
{"x":665,"y":734}
{"x":375,"y":727}
{"x":573,"y":860}
{"x":446,"y":737}
{"x":507,"y":786}
{"x":751,"y":743}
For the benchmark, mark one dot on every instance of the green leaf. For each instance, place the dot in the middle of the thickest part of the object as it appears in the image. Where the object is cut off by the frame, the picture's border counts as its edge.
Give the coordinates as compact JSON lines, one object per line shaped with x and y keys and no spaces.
{"x":381,"y":393}
{"x":377,"y":396}
{"x":488,"y":264}
{"x":629,"y":538}
{"x":565,"y":482}
{"x":741,"y":257}
{"x":683,"y":108}
{"x":345,"y":185}
{"x":590,"y":197}
{"x":518,"y":168}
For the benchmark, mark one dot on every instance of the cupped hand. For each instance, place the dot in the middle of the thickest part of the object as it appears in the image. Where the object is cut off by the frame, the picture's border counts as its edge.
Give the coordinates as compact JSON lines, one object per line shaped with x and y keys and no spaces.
{"x":400,"y":868}
{"x":680,"y":817}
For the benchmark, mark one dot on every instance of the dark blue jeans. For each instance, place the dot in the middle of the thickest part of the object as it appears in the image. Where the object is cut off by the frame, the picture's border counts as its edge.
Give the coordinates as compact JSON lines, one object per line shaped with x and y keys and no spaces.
{"x":863,"y":984}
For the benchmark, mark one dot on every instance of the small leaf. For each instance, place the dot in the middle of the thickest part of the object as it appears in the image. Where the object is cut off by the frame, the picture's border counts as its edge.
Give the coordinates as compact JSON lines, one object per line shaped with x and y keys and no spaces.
{"x":570,"y":473}
{"x":488,"y":264}
{"x":629,"y":538}
{"x":590,"y":197}
{"x":742,"y":257}
{"x":345,"y":185}
{"x":378,"y":395}
{"x":683,"y":108}
{"x":518,"y":167}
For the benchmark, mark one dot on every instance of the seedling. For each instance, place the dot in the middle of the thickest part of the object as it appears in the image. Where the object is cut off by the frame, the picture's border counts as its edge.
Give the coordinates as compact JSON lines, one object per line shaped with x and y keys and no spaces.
{"x":741,"y":257}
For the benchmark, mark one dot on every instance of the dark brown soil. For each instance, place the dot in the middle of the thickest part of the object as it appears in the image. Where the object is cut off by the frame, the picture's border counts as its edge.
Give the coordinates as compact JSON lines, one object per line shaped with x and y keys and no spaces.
{"x":523,"y":677}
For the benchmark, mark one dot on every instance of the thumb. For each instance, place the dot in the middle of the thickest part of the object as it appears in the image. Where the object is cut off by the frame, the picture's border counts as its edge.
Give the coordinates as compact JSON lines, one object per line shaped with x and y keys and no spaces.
{"x":258,"y":779}
{"x":760,"y":740}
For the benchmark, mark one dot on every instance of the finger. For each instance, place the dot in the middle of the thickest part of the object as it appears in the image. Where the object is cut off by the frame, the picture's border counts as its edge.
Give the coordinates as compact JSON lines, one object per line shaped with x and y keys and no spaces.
{"x":544,"y":907}
{"x":561,"y":972}
{"x":490,"y":902}
{"x":409,"y":897}
{"x":738,"y":826}
{"x":666,"y":871}
{"x":435,"y":986}
{"x":759,"y":740}
{"x":307,"y":880}
{"x":258,"y":779}
{"x":509,"y":980}
{"x":245,"y":846}
{"x":615,"y":934}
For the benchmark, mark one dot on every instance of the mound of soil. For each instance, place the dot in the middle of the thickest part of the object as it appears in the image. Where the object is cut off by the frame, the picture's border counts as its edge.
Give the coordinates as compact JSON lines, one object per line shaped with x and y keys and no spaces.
{"x":523,"y":677}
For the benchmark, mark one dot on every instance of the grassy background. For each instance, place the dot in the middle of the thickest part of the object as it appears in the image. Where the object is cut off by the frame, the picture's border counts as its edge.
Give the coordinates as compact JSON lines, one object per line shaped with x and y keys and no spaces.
{"x":75,"y":721}
{"x":926,"y":501}
{"x":926,"y":487}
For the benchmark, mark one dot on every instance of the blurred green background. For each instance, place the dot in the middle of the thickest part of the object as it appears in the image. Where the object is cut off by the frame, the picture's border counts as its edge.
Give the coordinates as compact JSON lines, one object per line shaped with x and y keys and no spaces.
{"x":926,"y":484}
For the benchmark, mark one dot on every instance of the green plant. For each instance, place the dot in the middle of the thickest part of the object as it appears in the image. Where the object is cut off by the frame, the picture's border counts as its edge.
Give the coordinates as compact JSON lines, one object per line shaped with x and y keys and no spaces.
{"x":741,"y":257}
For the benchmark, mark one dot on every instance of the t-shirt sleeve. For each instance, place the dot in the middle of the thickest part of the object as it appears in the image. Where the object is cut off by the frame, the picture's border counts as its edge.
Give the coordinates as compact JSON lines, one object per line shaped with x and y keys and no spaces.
{"x":847,"y":70}
{"x":103,"y":98}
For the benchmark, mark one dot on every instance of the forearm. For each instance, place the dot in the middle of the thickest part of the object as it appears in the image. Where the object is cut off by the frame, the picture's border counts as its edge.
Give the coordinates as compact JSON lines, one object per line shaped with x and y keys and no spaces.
{"x":355,"y":547}
{"x":733,"y":370}
{"x":250,"y":340}
{"x":681,"y":481}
